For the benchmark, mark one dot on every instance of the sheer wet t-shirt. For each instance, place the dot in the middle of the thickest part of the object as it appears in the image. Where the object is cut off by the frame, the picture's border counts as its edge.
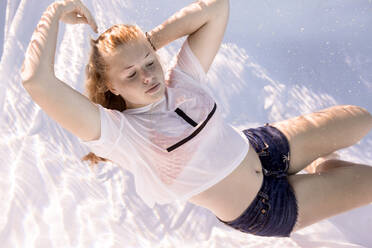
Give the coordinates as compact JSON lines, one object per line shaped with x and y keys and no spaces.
{"x":176,"y":147}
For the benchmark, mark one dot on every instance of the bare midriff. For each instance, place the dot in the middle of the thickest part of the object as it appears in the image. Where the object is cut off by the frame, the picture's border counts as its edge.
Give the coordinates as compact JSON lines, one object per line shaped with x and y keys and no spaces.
{"x":230,"y":197}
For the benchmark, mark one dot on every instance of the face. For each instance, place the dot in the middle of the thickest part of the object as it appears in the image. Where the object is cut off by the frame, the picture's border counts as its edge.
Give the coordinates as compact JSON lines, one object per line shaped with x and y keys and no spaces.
{"x":133,"y":70}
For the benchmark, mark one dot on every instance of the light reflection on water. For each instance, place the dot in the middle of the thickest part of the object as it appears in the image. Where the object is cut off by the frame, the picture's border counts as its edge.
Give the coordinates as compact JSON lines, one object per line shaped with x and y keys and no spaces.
{"x":279,"y":59}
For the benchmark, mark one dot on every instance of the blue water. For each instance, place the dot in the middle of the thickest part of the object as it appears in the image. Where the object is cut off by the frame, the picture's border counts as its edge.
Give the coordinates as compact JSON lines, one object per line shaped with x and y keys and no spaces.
{"x":2,"y":22}
{"x":279,"y":59}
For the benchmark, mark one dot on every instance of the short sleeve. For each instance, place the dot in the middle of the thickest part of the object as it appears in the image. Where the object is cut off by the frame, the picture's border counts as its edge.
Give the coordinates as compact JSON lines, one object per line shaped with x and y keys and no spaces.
{"x":111,"y":124}
{"x":187,"y":62}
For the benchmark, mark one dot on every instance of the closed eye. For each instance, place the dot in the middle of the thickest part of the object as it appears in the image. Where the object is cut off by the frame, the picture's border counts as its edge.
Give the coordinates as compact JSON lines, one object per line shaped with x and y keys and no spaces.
{"x":132,"y":75}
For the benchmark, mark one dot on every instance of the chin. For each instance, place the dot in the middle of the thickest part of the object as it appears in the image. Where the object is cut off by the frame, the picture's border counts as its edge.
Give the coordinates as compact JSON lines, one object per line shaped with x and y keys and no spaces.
{"x":161,"y":90}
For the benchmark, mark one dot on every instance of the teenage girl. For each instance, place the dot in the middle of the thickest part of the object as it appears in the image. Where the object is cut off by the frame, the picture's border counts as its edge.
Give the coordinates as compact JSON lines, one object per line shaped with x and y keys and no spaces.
{"x":167,"y":130}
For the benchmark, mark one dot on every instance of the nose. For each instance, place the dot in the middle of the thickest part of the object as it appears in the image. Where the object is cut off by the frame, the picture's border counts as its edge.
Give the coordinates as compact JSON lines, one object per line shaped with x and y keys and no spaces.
{"x":147,"y":80}
{"x":147,"y":77}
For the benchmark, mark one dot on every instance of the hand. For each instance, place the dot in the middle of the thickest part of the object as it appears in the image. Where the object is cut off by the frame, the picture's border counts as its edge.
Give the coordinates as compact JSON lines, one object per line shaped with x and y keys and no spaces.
{"x":75,"y":12}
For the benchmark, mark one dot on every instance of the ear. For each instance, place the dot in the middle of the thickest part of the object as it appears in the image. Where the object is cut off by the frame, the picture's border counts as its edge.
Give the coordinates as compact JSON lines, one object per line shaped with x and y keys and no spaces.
{"x":114,"y":92}
{"x":111,"y":88}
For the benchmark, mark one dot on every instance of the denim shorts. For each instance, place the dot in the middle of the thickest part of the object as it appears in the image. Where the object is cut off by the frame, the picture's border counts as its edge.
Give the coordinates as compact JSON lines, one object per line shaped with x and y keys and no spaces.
{"x":273,"y":212}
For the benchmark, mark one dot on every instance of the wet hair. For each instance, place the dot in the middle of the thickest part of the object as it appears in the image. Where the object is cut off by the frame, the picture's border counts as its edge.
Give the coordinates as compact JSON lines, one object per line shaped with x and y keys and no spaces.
{"x":96,"y":71}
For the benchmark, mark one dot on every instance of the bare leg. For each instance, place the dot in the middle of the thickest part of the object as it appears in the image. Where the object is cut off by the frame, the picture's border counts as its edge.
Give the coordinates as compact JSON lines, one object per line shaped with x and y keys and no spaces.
{"x":318,"y":134}
{"x":319,"y":166}
{"x":324,"y":194}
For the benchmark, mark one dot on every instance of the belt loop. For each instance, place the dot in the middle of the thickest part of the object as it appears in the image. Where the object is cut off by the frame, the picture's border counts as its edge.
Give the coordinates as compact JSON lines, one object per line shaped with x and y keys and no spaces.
{"x":264,"y":195}
{"x":267,"y":172}
{"x":264,"y":151}
{"x":286,"y":159}
{"x":277,"y":174}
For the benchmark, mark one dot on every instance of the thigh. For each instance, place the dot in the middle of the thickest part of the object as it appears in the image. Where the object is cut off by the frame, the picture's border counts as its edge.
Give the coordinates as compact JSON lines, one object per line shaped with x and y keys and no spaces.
{"x":325,"y":194}
{"x":320,"y":133}
{"x":271,"y":147}
{"x":272,"y":213}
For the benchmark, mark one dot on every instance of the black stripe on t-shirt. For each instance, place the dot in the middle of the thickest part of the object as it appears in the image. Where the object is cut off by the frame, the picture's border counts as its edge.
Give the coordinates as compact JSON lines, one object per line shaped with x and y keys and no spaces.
{"x":195,"y":132}
{"x":185,"y":117}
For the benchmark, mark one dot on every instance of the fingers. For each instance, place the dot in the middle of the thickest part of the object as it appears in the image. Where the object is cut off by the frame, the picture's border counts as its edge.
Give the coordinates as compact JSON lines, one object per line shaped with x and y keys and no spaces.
{"x":86,"y":13}
{"x":81,"y":20}
{"x":74,"y":11}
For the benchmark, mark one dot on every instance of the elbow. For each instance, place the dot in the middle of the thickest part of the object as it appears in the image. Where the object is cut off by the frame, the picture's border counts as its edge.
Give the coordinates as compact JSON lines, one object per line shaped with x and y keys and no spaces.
{"x":27,"y":84}
{"x":32,"y":73}
{"x":30,"y":79}
{"x":224,"y":3}
{"x":28,"y":70}
{"x":35,"y":84}
{"x":31,"y":87}
{"x":220,"y":9}
{"x":224,"y":7}
{"x":27,"y":79}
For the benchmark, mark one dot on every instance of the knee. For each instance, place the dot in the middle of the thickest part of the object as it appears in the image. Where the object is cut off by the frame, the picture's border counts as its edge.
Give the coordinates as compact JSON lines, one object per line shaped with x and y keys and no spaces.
{"x":331,"y":164}
{"x":367,"y":115}
{"x":358,"y":110}
{"x":362,"y":113}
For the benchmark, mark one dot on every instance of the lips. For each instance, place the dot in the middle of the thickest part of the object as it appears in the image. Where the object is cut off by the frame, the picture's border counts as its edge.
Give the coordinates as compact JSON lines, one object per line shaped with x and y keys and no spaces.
{"x":153,"y":86}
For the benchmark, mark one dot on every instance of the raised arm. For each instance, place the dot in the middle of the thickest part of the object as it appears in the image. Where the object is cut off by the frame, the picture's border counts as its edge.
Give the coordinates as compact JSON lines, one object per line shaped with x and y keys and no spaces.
{"x":204,"y":21}
{"x":74,"y":111}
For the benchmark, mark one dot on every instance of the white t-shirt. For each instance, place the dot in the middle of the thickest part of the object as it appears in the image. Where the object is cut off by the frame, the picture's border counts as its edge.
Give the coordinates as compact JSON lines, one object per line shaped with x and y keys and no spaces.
{"x":177,"y":147}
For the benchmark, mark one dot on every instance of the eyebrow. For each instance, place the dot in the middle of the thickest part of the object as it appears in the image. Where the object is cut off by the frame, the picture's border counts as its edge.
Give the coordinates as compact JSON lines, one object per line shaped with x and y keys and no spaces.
{"x":126,"y":68}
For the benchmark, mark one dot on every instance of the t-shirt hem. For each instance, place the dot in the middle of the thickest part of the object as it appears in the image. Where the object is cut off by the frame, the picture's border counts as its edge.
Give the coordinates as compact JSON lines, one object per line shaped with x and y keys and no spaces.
{"x":219,"y":178}
{"x":92,"y":144}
